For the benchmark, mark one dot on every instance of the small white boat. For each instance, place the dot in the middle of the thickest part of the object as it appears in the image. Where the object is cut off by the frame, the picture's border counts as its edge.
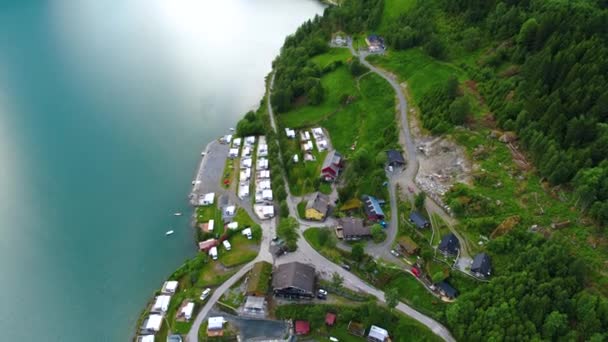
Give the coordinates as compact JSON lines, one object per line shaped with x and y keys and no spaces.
{"x":177,"y":214}
{"x":203,"y":154}
{"x":232,"y":129}
{"x":169,"y":232}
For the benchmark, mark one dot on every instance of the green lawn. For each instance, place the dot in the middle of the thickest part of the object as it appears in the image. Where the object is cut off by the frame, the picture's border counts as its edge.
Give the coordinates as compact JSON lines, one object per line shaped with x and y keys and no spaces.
{"x":392,"y":10}
{"x":414,"y":293}
{"x":242,"y":251}
{"x":302,"y":209}
{"x":327,"y":249}
{"x":210,"y":212}
{"x":333,"y":55}
{"x":419,"y":70}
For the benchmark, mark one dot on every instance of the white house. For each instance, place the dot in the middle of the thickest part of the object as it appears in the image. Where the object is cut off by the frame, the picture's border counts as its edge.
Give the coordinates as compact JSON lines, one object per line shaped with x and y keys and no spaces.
{"x":246,"y":163}
{"x":154,"y":322}
{"x":233,"y":153}
{"x":226,"y":139}
{"x":245,"y":175}
{"x":233,"y":225}
{"x":230,"y":210}
{"x":264,"y":185}
{"x":207,"y":199}
{"x":210,"y":225}
{"x":227,"y":245}
{"x":262,"y":150}
{"x":317,"y":132}
{"x":236,"y":142}
{"x":322,"y":145}
{"x":246,"y":152}
{"x":267,"y":195}
{"x":244,"y":190}
{"x":304,"y":136}
{"x":268,"y":211}
{"x":264,"y":174}
{"x":290,"y":133}
{"x":250,"y":141}
{"x":187,"y":311}
{"x":213,"y":253}
{"x":145,"y":338}
{"x":161,"y":304}
{"x":215,"y":323}
{"x":307,"y":146}
{"x":262,"y":164}
{"x":377,"y":334}
{"x":247,"y":233}
{"x":169,"y":286}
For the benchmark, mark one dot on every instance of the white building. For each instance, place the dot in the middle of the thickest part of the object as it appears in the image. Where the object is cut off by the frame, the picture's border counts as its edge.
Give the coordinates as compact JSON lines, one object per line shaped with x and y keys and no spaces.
{"x":247,"y":233}
{"x":207,"y":199}
{"x":268,"y":211}
{"x":264,"y":185}
{"x":377,"y":334}
{"x":210,"y":225}
{"x":262,"y":164}
{"x":249,"y":141}
{"x":245,"y":175}
{"x":322,"y":145}
{"x":267,"y":195}
{"x":230,"y":210}
{"x":161,"y":304}
{"x":296,"y":158}
{"x":227,"y":245}
{"x":233,"y":225}
{"x":145,"y":338}
{"x":317,"y":132}
{"x":154,"y":322}
{"x":262,"y":150}
{"x":213,"y":253}
{"x":264,"y":174}
{"x":215,"y":323}
{"x":187,"y":311}
{"x":236,"y":142}
{"x":243,"y":190}
{"x":307,"y":146}
{"x":290,"y":133}
{"x":169,"y":286}
{"x":246,"y":163}
{"x":304,"y":136}
{"x":233,"y":153}
{"x":226,"y":139}
{"x":246,"y":152}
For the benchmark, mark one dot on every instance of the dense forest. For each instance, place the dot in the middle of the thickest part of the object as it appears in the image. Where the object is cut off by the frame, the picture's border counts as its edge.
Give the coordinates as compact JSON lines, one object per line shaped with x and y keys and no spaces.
{"x":544,"y":75}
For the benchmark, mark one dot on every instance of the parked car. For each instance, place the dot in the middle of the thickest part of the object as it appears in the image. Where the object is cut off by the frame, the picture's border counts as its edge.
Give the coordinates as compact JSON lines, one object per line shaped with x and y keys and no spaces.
{"x":322,"y":294}
{"x":346,"y":267}
{"x":281,"y":251}
{"x":275,"y":238}
{"x":416,"y":272}
{"x":394,"y":253}
{"x":205,"y":294}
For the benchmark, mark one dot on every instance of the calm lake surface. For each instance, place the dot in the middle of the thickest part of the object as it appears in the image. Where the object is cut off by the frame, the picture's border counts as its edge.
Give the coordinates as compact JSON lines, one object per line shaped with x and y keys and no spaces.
{"x":104,"y":109}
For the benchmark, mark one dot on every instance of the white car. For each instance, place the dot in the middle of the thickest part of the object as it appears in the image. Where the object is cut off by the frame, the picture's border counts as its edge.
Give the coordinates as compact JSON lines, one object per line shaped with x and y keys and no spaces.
{"x":394,"y":253}
{"x":205,"y":293}
{"x":227,"y":245}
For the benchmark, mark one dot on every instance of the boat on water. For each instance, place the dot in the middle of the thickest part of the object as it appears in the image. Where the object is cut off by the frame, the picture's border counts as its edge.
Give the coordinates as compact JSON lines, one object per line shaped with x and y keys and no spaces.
{"x":169,"y":232}
{"x":232,"y":129}
{"x":203,"y":154}
{"x":177,"y":214}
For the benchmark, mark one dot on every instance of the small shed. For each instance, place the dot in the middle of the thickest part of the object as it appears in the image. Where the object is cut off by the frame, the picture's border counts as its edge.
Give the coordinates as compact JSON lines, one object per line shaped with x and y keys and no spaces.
{"x":395,"y":158}
{"x":206,"y":245}
{"x":377,"y":334}
{"x":419,"y":220}
{"x":169,"y":286}
{"x":330,"y":319}
{"x":449,"y":245}
{"x":482,"y":265}
{"x":154,"y":322}
{"x":187,"y":310}
{"x":302,"y":327}
{"x":408,"y":245}
{"x":161,"y":304}
{"x":446,"y":289}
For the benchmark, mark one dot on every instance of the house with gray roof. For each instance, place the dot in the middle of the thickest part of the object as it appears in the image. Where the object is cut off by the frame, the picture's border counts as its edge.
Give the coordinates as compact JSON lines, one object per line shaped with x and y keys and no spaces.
{"x":482,"y":265}
{"x":294,"y":280}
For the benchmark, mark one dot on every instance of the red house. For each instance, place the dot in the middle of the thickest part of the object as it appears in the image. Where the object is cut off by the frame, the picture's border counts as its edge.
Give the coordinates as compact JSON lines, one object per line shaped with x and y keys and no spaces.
{"x":302,"y":327}
{"x":330,"y":319}
{"x":331,"y":166}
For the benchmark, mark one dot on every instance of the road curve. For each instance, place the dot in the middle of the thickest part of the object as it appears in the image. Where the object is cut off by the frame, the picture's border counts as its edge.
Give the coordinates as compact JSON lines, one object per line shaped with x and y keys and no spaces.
{"x":305,"y":252}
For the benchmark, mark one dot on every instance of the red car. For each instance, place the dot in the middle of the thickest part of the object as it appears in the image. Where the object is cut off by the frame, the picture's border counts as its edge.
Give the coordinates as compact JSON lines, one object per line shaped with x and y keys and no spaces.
{"x":416,"y":272}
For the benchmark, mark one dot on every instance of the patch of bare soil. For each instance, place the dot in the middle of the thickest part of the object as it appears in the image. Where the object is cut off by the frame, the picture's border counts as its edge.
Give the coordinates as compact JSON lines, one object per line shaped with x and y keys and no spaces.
{"x":442,"y":164}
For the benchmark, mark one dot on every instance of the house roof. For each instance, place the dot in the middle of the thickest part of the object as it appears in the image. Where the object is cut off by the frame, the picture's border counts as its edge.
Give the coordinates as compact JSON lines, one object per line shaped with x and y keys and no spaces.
{"x":447,"y":289}
{"x":418,"y":219}
{"x":161,"y":303}
{"x":352,"y":226}
{"x":294,"y":274}
{"x":449,"y":244}
{"x":482,"y":264}
{"x":351,"y":204}
{"x":372,"y":207}
{"x":330,"y":318}
{"x":154,"y":322}
{"x":215,"y":323}
{"x":320,"y":203}
{"x":302,"y":327}
{"x":256,"y":303}
{"x":395,"y":157}
{"x":205,"y":245}
{"x":377,"y":333}
{"x":332,"y":158}
{"x":408,"y":244}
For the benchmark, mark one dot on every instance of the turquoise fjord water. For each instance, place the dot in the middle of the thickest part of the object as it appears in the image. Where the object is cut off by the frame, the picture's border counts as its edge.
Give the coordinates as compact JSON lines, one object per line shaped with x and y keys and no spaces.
{"x":104,"y":109}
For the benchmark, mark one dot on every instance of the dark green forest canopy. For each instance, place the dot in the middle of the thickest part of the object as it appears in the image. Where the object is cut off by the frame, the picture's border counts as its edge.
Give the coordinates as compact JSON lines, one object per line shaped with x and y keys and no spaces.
{"x":543,"y":73}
